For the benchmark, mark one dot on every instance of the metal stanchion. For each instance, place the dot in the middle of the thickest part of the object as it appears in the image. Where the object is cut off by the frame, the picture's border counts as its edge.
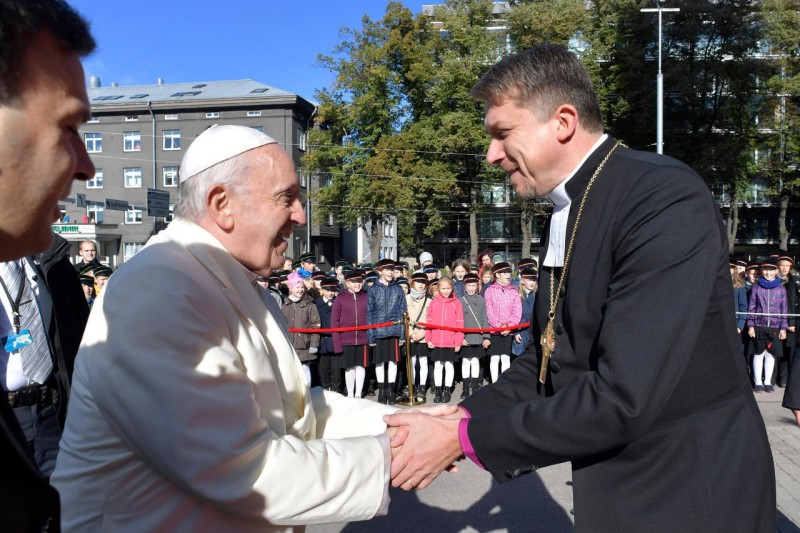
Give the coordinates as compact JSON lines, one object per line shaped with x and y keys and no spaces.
{"x":411,"y":399}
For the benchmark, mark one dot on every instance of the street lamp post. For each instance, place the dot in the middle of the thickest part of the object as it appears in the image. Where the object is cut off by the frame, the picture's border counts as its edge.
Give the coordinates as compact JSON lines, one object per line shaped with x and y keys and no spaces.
{"x":659,"y":81}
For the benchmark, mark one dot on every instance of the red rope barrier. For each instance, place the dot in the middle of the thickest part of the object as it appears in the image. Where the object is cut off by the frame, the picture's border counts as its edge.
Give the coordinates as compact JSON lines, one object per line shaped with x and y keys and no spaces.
{"x":474,"y":330}
{"x":331,"y":330}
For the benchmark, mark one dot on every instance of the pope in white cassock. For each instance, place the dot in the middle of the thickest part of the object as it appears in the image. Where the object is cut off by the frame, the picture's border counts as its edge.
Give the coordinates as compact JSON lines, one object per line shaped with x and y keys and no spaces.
{"x":189,"y":410}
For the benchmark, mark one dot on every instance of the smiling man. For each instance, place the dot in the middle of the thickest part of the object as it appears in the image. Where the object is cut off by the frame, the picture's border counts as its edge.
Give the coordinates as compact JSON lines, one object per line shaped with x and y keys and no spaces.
{"x":635,"y":376}
{"x":190,"y":410}
{"x":42,"y":104}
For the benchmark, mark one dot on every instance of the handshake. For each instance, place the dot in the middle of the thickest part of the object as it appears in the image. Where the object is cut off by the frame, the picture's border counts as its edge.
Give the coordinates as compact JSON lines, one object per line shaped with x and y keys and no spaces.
{"x":424,"y":443}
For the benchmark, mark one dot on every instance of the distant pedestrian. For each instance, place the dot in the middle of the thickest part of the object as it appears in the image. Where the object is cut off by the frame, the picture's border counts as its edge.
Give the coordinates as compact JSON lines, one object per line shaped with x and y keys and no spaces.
{"x":768,"y":327}
{"x":445,"y":310}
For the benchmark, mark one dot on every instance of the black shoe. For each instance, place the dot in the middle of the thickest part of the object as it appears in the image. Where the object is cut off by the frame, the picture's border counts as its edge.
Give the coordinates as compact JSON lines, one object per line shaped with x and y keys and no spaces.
{"x":391,"y":397}
{"x":465,"y":388}
{"x":437,"y":395}
{"x":381,"y":393}
{"x":446,"y":395}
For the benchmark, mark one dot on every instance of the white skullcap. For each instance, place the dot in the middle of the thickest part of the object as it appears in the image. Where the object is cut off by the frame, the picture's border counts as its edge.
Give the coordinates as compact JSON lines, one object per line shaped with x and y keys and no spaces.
{"x":217,"y":144}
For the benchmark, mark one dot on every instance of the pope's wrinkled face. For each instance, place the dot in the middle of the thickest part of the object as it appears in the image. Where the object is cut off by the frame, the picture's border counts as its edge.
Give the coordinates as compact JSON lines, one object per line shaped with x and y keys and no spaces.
{"x":266,"y":210}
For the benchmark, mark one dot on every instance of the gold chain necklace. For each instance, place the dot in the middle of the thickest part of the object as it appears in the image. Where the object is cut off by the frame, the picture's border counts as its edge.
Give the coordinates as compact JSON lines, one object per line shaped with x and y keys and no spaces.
{"x":548,"y":338}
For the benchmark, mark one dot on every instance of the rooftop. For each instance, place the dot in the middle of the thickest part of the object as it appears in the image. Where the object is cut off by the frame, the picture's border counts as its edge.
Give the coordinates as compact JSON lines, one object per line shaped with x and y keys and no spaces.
{"x":176,"y":92}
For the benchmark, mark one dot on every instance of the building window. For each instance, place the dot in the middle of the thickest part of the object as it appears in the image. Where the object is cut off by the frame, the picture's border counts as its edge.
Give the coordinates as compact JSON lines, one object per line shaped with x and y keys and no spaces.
{"x":129,"y":249}
{"x":254,"y":113}
{"x":95,"y":212}
{"x":172,"y":139}
{"x":131,"y":118}
{"x":212,"y":114}
{"x":132,"y":141}
{"x":133,"y":215}
{"x":168,"y":219}
{"x":97,"y":181}
{"x":94,"y":142}
{"x":170,"y":117}
{"x":93,"y":120}
{"x":170,"y":176}
{"x":301,"y":139}
{"x":133,"y":177}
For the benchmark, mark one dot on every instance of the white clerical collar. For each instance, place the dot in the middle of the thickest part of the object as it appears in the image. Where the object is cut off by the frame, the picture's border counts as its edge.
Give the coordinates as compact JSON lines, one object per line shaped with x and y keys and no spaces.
{"x":558,"y":221}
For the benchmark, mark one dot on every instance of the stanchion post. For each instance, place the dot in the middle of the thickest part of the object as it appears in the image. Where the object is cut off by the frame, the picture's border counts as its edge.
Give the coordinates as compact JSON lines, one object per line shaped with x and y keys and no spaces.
{"x":411,"y":399}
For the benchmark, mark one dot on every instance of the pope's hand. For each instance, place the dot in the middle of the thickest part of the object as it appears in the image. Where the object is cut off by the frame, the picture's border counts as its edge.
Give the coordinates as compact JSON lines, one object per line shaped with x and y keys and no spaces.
{"x":430,"y":446}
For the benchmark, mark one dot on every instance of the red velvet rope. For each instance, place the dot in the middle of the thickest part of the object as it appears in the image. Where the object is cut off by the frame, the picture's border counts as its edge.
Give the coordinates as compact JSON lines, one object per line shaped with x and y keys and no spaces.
{"x":475,"y":330}
{"x":423,"y":324}
{"x":331,"y":330}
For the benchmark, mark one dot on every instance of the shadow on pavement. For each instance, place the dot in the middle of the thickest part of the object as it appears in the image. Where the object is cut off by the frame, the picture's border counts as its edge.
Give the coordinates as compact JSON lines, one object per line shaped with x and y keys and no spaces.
{"x":520,"y":506}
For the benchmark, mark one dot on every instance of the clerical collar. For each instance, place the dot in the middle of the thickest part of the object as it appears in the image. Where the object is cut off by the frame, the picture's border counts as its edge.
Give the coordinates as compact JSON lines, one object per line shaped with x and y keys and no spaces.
{"x":557,"y":238}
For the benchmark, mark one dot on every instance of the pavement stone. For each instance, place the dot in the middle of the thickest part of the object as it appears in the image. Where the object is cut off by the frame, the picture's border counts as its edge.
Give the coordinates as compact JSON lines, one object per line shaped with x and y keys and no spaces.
{"x":471,"y":501}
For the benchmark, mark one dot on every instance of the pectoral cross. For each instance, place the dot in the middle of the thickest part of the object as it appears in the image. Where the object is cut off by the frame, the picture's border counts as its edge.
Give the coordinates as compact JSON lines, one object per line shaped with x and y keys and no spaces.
{"x":548,"y":342}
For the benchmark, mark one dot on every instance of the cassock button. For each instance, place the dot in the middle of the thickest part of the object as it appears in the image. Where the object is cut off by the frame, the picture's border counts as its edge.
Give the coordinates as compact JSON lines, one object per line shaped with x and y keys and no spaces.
{"x":559,"y":329}
{"x":555,"y":368}
{"x":562,"y":291}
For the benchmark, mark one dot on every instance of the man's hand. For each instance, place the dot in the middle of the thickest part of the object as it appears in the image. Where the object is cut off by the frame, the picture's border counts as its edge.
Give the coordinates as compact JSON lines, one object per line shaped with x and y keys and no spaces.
{"x":430,"y":446}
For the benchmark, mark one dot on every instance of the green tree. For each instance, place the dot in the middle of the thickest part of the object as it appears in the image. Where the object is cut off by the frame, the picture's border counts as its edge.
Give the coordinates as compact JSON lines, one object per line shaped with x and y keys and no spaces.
{"x":781,"y":117}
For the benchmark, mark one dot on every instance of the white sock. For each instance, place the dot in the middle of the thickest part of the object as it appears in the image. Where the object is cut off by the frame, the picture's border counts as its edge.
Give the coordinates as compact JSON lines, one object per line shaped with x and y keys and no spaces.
{"x":361,"y":374}
{"x":505,"y":362}
{"x":379,"y":373}
{"x":392,"y":371}
{"x":423,"y":370}
{"x":437,"y":373}
{"x":307,"y":372}
{"x":769,"y":366}
{"x":476,"y":367}
{"x":350,"y":381}
{"x":465,"y":367}
{"x":449,"y":374}
{"x":494,"y":363}
{"x":758,"y":367}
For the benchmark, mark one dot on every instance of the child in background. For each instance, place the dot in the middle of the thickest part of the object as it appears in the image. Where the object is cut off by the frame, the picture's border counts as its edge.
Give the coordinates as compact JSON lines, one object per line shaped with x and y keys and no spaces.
{"x":330,"y":368}
{"x":768,"y":296}
{"x":417,"y":302}
{"x":474,"y":344}
{"x":504,"y":308}
{"x":460,"y":269}
{"x":301,"y":313}
{"x":386,"y":302}
{"x":350,"y":310}
{"x":444,"y":310}
{"x":527,"y":291}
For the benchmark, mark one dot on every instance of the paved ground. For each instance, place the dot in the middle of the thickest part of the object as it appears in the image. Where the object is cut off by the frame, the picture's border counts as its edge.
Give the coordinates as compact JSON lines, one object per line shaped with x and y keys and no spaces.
{"x":471,"y":501}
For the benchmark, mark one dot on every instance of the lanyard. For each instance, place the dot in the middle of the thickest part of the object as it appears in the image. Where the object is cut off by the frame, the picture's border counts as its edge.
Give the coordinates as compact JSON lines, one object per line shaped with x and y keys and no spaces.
{"x":16,"y":303}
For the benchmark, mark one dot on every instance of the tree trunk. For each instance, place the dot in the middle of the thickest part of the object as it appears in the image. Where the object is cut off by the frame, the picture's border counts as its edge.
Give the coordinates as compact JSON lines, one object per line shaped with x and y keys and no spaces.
{"x":527,"y":220}
{"x":473,"y":225}
{"x":732,"y":222}
{"x":783,"y":234}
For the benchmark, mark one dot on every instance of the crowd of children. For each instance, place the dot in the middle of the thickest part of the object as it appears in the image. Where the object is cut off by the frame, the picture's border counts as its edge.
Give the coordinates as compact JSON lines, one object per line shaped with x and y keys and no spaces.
{"x":365,"y":353}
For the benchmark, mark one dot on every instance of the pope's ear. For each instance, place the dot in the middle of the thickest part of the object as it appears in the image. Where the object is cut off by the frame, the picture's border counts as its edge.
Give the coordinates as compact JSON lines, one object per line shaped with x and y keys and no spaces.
{"x":567,"y":118}
{"x":219,"y":208}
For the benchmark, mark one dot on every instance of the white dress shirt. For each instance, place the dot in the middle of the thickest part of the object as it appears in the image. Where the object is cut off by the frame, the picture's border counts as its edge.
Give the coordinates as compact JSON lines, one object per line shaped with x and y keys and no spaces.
{"x":557,"y":241}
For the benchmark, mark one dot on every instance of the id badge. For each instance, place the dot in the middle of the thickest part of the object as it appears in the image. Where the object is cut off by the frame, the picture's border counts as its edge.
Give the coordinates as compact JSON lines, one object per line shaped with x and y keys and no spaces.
{"x":17,"y":341}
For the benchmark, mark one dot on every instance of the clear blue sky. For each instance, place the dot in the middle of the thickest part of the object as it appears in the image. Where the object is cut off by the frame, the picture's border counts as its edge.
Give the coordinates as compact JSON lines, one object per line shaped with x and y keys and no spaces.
{"x":271,"y":41}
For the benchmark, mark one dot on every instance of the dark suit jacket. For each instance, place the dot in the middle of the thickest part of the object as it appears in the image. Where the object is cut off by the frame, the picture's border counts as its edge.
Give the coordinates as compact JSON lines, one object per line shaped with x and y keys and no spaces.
{"x":646,"y":394}
{"x":27,"y":501}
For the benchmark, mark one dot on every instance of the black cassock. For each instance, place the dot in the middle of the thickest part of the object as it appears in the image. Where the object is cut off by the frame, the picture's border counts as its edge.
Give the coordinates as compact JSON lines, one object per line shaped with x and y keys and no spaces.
{"x":646,"y":394}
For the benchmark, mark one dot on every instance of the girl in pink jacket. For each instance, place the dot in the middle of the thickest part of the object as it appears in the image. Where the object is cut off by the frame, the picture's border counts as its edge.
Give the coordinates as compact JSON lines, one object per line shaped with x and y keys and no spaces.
{"x":504,"y":308}
{"x":444,"y":310}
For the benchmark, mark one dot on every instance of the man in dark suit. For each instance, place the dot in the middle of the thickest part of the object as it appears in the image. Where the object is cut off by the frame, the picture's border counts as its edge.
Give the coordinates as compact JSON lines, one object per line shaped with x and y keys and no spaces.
{"x":43,"y":102}
{"x":643,"y":390}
